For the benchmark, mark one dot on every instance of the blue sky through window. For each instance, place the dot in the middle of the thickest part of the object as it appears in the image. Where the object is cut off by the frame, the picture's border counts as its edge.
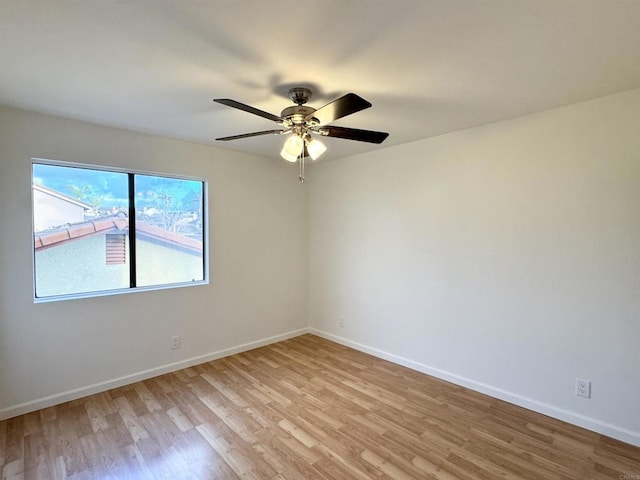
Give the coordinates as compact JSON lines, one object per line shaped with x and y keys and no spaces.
{"x":111,"y":187}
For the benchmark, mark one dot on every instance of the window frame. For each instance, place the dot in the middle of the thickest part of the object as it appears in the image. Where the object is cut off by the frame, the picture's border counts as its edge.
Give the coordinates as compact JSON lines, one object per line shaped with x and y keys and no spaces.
{"x":131,"y":236}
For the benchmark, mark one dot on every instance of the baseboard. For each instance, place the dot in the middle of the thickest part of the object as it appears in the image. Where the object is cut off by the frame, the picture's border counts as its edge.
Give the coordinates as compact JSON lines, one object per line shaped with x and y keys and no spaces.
{"x":592,"y":424}
{"x":51,"y":400}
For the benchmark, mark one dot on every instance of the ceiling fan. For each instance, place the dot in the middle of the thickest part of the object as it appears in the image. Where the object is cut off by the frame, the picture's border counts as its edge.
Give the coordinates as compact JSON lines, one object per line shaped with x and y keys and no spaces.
{"x":304,"y":123}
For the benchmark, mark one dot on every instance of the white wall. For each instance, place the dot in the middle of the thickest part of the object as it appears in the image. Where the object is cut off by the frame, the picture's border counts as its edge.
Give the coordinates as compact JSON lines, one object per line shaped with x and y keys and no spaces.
{"x":505,"y":258}
{"x":258,"y":246}
{"x":50,"y":211}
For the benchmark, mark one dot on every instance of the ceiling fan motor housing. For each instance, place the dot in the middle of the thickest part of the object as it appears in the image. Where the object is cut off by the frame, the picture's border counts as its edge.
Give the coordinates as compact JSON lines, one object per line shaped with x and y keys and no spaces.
{"x":296,"y":115}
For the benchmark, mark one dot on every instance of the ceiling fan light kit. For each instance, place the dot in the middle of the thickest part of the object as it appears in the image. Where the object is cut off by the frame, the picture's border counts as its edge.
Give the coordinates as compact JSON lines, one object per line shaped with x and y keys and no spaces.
{"x":292,"y":148}
{"x":315,"y":148}
{"x":303,"y":122}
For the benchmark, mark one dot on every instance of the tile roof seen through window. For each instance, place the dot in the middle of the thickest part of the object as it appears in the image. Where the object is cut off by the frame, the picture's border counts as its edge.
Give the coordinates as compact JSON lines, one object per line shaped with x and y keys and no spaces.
{"x":113,"y":223}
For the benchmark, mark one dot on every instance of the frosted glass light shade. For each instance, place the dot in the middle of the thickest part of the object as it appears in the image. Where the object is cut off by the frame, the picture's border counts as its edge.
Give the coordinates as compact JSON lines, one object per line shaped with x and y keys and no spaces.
{"x":315,"y":148}
{"x":292,"y":148}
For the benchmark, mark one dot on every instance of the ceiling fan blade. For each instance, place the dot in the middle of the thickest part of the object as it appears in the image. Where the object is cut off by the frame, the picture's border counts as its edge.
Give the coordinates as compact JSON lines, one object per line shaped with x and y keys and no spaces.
{"x":241,"y":106}
{"x":354,"y":134}
{"x":343,"y":106}
{"x":254,"y":134}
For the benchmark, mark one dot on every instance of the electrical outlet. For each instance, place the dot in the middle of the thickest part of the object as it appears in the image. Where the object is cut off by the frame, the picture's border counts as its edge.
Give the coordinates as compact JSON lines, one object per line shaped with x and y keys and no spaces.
{"x":342,"y":321}
{"x":583,"y":388}
{"x":176,"y":342}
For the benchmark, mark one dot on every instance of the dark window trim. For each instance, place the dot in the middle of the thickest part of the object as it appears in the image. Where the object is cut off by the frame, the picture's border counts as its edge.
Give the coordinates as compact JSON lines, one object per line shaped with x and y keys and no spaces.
{"x":132,"y":231}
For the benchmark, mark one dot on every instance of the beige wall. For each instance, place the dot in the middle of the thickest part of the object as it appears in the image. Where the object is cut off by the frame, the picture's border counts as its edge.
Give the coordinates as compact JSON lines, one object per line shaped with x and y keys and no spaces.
{"x":76,"y":267}
{"x":158,"y":264}
{"x":258,"y":246}
{"x":81,"y":266}
{"x":505,"y":258}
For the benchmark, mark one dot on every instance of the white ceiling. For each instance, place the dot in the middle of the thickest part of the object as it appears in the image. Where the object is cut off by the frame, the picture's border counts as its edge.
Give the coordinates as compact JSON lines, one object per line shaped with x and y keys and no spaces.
{"x":428,"y":66}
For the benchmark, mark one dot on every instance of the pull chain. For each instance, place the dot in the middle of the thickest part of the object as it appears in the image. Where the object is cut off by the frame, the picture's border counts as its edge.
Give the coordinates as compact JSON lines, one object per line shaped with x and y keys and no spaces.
{"x":301,"y":176}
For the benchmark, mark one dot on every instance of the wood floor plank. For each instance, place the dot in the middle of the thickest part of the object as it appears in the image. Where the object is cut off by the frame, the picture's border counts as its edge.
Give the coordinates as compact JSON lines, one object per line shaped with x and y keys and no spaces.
{"x":304,"y":408}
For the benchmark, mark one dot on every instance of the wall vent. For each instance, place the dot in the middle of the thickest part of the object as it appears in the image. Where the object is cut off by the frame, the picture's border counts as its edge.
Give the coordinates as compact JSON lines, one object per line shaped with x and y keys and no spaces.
{"x":116,"y":248}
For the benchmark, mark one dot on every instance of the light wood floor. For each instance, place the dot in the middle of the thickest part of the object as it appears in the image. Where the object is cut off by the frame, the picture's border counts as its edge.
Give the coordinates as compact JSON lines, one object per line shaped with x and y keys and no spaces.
{"x":305,"y":408}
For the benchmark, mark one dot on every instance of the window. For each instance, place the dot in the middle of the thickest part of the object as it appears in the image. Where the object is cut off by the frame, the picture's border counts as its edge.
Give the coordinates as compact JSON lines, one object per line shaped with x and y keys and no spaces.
{"x":97,"y":231}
